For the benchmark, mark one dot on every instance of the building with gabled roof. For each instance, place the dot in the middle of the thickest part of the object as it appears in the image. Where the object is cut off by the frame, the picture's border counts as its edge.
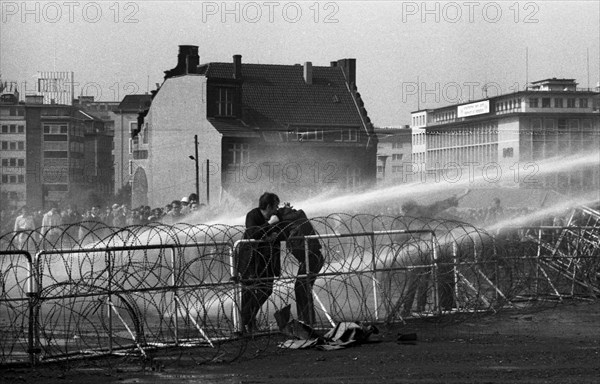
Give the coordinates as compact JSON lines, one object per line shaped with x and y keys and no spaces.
{"x":293,"y":129}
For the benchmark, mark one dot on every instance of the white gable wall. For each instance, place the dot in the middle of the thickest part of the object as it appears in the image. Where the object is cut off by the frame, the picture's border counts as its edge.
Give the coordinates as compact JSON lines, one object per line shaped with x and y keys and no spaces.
{"x":177,"y":113}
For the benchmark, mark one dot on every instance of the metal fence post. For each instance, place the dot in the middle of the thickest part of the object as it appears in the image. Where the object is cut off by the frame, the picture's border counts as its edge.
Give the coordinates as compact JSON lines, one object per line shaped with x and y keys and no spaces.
{"x":436,"y":293}
{"x":110,"y":309}
{"x":175,"y":295}
{"x":455,"y":271}
{"x":237,"y":289}
{"x":374,"y":280}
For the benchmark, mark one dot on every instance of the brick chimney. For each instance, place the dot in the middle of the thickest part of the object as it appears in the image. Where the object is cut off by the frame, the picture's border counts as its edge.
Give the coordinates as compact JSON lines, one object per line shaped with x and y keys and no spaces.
{"x":349,"y":68}
{"x":187,"y":61}
{"x":308,"y":73}
{"x":237,"y":67}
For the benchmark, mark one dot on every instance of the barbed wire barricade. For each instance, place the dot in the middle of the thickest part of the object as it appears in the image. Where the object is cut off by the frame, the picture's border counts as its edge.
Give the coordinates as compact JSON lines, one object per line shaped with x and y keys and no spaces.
{"x":143,"y":291}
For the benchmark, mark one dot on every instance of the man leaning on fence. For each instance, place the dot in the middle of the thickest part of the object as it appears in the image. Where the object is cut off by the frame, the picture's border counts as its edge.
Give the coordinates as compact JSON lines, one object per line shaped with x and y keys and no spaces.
{"x":259,"y":263}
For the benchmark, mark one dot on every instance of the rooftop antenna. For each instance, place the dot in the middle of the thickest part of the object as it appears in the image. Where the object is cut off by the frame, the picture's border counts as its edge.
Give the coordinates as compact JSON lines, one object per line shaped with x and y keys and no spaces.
{"x":526,"y":68}
{"x":418,"y":95}
{"x":588,"y":68}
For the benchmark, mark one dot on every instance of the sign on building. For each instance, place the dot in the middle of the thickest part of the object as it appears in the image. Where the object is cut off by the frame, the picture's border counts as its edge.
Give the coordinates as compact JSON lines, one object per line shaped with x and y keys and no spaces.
{"x":473,"y":109}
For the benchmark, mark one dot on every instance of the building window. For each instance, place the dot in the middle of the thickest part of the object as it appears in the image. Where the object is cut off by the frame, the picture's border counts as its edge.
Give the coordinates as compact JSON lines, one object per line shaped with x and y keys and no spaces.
{"x":397,"y":156}
{"x":583,"y":103}
{"x":240,"y":154}
{"x":396,"y":145}
{"x":380,"y":169}
{"x":21,"y":145}
{"x":145,"y":134}
{"x":56,"y":154}
{"x":21,"y":179}
{"x":20,"y":162}
{"x":352,"y":135}
{"x":347,"y":135}
{"x":507,"y":152}
{"x":533,"y":102}
{"x":133,"y":126}
{"x":311,"y":135}
{"x":546,"y":102}
{"x":51,"y":129}
{"x":21,"y":129}
{"x":352,"y":177}
{"x":570,"y":103}
{"x":225,"y":102}
{"x":558,"y":102}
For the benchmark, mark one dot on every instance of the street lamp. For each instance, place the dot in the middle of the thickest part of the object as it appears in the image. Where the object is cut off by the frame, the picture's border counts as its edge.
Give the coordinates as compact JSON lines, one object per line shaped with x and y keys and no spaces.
{"x":195,"y":158}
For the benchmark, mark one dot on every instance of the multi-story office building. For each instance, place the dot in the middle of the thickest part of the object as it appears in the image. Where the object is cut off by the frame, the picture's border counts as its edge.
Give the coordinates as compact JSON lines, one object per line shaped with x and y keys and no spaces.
{"x":394,"y":155}
{"x":504,"y":138}
{"x":52,"y":153}
{"x":12,"y":146}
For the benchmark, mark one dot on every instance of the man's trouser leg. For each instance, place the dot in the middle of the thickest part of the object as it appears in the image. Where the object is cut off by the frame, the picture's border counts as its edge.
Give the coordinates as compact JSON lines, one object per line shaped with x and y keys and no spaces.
{"x":304,"y":285}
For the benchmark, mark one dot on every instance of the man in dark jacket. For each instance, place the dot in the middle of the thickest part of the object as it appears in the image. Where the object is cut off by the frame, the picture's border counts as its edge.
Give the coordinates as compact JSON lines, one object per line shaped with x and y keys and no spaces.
{"x":259,"y":263}
{"x":296,"y":225}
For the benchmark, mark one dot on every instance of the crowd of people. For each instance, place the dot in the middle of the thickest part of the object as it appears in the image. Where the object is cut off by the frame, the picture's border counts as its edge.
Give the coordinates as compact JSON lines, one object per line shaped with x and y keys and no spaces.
{"x":52,"y":218}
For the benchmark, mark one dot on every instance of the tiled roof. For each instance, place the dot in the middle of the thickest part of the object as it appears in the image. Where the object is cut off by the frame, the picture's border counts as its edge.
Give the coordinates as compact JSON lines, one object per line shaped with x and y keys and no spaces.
{"x":134,"y":103}
{"x":275,"y":97}
{"x":233,"y":128}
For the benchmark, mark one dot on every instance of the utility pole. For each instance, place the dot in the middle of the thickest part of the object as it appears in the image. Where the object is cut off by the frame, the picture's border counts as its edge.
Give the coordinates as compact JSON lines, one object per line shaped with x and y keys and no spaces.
{"x":207,"y":181}
{"x":197,"y":167}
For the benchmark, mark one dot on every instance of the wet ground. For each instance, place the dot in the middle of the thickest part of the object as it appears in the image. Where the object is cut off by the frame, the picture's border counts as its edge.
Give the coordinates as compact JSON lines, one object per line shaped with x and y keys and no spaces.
{"x":560,"y":344}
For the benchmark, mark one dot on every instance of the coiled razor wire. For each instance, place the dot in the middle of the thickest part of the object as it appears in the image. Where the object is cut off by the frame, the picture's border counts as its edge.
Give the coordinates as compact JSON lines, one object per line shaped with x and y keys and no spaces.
{"x":92,"y":290}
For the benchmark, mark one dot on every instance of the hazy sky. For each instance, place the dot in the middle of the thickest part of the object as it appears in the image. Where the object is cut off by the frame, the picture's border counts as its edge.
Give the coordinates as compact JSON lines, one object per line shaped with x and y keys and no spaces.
{"x":452,"y":48}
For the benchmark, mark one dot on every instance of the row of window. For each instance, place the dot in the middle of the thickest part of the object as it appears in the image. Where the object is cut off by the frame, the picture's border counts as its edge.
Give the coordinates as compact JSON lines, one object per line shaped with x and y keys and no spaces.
{"x":13,"y":162}
{"x":55,"y":129}
{"x":534,"y":102}
{"x":56,"y":154}
{"x":12,"y":111}
{"x":468,"y":135}
{"x":419,"y":139}
{"x":76,"y":146}
{"x":13,"y":128}
{"x":346,"y":135}
{"x":12,"y":145}
{"x":13,"y":179}
{"x":508,"y":104}
{"x":481,"y":154}
{"x":561,"y":124}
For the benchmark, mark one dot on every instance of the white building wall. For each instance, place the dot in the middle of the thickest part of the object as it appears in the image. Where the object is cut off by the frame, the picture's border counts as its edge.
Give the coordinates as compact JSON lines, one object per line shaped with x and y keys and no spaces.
{"x":508,"y":151}
{"x":177,"y":113}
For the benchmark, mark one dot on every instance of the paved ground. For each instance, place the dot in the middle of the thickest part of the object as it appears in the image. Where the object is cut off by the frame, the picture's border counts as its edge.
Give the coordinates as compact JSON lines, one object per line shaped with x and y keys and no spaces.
{"x":557,"y":345}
